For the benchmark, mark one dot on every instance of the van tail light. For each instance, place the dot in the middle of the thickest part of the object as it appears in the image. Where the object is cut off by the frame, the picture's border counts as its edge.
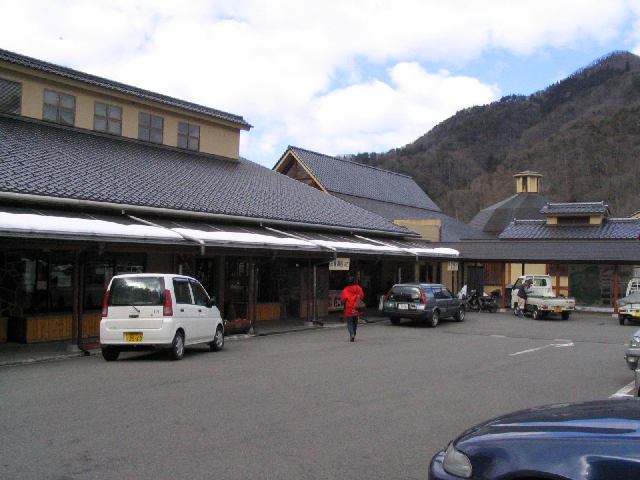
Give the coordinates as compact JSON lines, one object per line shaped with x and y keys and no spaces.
{"x":167,"y":309}
{"x":105,"y":304}
{"x":423,"y":296}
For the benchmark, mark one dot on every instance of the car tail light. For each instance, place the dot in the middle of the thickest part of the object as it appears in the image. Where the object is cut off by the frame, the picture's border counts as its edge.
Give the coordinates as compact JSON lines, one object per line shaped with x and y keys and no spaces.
{"x":105,"y":304}
{"x":167,"y":309}
{"x":386,"y":296}
{"x":423,"y":296}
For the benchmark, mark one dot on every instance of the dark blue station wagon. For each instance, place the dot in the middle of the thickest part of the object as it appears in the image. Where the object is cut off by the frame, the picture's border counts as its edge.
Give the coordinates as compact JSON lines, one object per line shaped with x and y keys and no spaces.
{"x":425,"y":302}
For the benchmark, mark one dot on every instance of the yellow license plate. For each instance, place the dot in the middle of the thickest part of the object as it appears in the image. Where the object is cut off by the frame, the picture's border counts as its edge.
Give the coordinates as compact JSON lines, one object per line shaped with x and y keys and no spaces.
{"x":557,"y":309}
{"x":133,"y":337}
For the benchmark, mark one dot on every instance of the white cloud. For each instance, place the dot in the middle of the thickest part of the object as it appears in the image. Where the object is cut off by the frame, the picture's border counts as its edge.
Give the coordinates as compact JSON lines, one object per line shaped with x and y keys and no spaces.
{"x":338,"y":76}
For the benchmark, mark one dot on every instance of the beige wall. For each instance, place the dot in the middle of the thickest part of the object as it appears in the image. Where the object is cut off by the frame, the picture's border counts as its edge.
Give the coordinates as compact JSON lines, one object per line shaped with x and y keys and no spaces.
{"x":428,"y":229}
{"x":215,"y":138}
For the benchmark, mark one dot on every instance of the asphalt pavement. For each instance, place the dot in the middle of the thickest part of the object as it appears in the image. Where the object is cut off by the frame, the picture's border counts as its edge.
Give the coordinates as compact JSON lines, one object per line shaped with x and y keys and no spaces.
{"x":308,"y":404}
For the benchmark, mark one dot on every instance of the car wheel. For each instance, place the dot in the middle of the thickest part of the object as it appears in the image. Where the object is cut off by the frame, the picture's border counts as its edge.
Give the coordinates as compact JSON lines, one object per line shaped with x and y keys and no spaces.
{"x":621,"y":320}
{"x":535,"y":313}
{"x":494,"y":308}
{"x":176,"y":352}
{"x":435,"y":318}
{"x":110,"y":354}
{"x":394,"y":320}
{"x":565,"y":315}
{"x":459,"y":316}
{"x":218,"y":340}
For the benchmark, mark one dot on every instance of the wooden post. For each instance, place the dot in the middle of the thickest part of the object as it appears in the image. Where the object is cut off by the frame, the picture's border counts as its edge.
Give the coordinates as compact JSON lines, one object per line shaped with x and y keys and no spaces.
{"x":557,"y":279}
{"x":76,"y":323}
{"x":251,"y":297}
{"x":221,"y":282}
{"x":504,"y":285}
{"x":615,"y":289}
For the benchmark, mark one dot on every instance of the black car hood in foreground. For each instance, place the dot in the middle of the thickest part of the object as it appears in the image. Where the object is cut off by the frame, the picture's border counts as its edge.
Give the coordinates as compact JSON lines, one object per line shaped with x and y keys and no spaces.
{"x":601,"y":417}
{"x":586,"y":441}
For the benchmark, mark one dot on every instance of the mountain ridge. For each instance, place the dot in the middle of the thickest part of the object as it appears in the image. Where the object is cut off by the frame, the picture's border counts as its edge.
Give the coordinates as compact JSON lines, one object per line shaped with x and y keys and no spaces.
{"x":582,"y":133}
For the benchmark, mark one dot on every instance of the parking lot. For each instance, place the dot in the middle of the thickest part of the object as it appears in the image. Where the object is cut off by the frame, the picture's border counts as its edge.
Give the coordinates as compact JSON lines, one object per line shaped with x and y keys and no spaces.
{"x":301,"y":405}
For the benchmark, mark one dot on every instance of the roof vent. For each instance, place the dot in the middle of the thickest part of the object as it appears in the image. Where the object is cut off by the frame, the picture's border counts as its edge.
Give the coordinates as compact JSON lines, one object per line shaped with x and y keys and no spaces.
{"x":528,"y":182}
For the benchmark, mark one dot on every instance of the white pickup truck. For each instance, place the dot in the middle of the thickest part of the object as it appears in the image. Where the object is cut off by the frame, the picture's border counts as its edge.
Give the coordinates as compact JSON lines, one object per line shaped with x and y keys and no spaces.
{"x":541,"y":300}
{"x":629,"y":305}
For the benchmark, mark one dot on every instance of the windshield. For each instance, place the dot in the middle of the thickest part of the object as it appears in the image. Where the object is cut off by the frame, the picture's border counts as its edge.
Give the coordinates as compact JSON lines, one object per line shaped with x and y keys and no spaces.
{"x":137,"y":291}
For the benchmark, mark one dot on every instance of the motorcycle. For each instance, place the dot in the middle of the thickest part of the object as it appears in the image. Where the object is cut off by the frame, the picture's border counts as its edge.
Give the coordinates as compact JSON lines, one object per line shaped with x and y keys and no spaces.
{"x":484,"y":302}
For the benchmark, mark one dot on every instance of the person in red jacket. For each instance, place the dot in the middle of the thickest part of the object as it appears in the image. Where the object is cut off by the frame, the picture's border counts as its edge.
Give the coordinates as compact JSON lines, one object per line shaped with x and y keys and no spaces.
{"x":350,"y":295}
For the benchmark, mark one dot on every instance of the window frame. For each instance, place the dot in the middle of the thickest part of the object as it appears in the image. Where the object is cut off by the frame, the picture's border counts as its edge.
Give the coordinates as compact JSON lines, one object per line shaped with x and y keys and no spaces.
{"x":149,"y":127}
{"x":195,"y":285}
{"x":178,"y":280}
{"x":16,"y":85}
{"x":109,"y":119}
{"x":187,"y":137}
{"x":60,"y":109}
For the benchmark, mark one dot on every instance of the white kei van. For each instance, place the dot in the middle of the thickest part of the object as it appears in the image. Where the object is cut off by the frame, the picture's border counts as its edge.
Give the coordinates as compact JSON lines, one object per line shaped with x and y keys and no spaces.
{"x":157,"y":311}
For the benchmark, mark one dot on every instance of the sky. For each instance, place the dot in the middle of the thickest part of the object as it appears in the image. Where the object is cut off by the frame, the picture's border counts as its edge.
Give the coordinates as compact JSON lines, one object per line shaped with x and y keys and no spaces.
{"x":334,"y":76}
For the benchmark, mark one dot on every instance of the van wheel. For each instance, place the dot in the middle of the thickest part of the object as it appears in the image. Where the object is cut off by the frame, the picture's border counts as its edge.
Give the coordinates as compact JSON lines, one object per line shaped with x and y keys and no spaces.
{"x":395,"y":320}
{"x":459,"y":316}
{"x":110,"y":354}
{"x":565,"y":315}
{"x":218,"y":340}
{"x":536,"y":314}
{"x":176,"y":352}
{"x":435,"y":318}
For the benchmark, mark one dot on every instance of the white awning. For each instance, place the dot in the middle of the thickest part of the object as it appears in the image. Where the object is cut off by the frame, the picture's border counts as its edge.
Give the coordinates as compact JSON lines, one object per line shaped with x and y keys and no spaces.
{"x":121,"y":228}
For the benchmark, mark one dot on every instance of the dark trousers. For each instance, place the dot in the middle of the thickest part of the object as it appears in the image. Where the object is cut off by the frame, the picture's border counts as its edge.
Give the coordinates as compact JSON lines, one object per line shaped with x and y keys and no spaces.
{"x":352,"y":325}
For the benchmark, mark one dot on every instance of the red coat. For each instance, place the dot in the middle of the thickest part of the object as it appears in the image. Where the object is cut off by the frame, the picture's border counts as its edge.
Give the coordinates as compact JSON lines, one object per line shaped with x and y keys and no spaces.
{"x":349,"y":298}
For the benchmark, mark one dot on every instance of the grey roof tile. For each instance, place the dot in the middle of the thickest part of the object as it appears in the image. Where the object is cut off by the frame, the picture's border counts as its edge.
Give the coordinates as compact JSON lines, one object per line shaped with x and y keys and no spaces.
{"x":46,"y":159}
{"x":452,"y":229}
{"x":36,"y":64}
{"x":583,"y":208}
{"x":339,"y":175}
{"x":612,"y":228}
{"x":496,"y":217}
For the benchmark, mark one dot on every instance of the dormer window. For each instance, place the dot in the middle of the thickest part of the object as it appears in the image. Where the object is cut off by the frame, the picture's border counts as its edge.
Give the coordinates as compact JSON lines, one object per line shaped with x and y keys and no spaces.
{"x":188,"y":136}
{"x":150,"y":127}
{"x":107,"y":118}
{"x":59,"y":107}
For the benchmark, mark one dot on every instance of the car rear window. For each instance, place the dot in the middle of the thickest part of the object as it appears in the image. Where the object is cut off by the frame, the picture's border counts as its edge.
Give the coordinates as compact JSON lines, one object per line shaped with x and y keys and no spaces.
{"x":405,"y":294}
{"x":137,"y":291}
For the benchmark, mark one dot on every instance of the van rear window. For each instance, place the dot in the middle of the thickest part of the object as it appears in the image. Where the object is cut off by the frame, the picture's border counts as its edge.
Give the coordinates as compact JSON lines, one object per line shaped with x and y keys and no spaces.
{"x":405,"y":294}
{"x":137,"y":291}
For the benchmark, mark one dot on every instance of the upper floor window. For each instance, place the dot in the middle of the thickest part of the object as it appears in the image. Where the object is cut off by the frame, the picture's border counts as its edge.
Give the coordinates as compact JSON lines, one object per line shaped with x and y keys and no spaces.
{"x":10,"y":96}
{"x":150,"y":127}
{"x":59,"y":107}
{"x":188,"y":136}
{"x":107,"y":118}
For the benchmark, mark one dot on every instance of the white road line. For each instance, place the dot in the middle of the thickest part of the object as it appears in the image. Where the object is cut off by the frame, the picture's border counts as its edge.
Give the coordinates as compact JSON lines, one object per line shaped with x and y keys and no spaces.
{"x":499,"y":336}
{"x":529,"y":351}
{"x":566,"y":343}
{"x":625,"y":391}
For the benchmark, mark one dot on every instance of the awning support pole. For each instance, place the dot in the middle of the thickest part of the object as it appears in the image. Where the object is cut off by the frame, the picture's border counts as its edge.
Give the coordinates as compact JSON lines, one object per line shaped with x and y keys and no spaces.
{"x":183,"y":235}
{"x":298,"y":237}
{"x":387,"y":245}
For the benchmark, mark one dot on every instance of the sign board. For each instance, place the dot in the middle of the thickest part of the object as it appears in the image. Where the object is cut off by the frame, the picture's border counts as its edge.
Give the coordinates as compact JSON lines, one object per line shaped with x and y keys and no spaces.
{"x":339,"y":264}
{"x":452,"y":266}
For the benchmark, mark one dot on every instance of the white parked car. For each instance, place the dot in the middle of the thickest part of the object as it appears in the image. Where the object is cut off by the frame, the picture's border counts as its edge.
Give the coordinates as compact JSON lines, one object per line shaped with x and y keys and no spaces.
{"x":157,"y":311}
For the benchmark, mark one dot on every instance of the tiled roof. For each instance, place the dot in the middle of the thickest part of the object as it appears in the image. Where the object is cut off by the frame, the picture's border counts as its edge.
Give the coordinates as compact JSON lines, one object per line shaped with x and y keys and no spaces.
{"x":339,"y":175}
{"x":69,"y":73}
{"x":452,"y":230}
{"x":612,"y":228}
{"x":550,"y":251}
{"x":495,"y":218}
{"x":49,"y":160}
{"x":579,"y":208}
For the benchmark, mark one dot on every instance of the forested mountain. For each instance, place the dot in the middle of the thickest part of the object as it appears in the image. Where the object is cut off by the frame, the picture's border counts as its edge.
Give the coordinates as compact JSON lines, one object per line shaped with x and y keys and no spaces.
{"x":582,"y":134}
